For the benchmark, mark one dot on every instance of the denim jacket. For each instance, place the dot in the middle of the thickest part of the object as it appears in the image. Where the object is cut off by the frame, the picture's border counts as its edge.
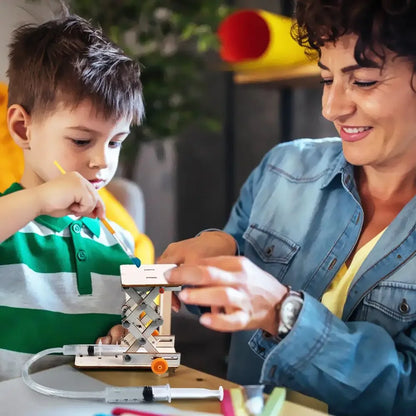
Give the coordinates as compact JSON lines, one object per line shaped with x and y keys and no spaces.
{"x":298,"y":217}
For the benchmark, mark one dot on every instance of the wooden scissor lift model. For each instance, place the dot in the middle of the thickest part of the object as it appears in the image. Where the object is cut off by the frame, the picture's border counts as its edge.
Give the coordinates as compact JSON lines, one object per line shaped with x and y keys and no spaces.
{"x":141,"y":316}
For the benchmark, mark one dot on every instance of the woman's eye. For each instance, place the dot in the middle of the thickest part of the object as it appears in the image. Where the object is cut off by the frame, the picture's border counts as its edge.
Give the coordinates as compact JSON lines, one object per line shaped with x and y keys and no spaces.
{"x":364,"y":84}
{"x":326,"y":81}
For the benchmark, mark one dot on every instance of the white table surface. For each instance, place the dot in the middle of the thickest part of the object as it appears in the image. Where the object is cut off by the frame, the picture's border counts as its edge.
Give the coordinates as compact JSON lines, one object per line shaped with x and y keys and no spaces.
{"x":16,"y":399}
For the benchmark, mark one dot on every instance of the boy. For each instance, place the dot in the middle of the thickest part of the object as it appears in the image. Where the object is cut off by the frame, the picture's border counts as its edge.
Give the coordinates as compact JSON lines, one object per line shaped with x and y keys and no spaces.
{"x":72,"y":98}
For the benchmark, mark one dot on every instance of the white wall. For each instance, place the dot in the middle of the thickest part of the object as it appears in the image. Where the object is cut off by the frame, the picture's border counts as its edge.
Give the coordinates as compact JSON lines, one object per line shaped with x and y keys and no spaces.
{"x":14,"y":13}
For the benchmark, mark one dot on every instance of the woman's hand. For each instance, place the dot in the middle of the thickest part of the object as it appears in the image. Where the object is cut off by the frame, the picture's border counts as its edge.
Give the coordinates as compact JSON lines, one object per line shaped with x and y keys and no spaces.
{"x":207,"y":244}
{"x":192,"y":250}
{"x":241,"y":295}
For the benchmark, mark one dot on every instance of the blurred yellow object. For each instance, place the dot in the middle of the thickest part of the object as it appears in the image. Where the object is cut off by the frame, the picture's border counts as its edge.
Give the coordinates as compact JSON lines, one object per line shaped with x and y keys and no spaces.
{"x":11,"y":156}
{"x":256,"y":39}
{"x":12,"y":164}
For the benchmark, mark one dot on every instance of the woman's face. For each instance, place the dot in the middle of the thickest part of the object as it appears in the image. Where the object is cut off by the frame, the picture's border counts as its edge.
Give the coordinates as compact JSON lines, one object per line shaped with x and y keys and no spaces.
{"x":373,"y":109}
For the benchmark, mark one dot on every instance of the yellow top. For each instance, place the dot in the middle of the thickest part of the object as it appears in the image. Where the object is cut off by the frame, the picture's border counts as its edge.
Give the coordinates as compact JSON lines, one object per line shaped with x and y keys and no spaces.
{"x":11,"y":162}
{"x":334,"y":299}
{"x":336,"y":295}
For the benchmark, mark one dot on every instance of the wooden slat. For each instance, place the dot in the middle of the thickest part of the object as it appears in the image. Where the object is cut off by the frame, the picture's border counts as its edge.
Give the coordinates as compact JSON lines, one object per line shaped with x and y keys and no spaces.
{"x":303,"y":75}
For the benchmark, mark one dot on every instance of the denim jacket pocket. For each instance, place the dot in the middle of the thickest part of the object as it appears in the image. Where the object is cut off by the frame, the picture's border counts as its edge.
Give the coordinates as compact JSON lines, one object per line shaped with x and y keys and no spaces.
{"x":272,"y":250}
{"x":392,"y":305}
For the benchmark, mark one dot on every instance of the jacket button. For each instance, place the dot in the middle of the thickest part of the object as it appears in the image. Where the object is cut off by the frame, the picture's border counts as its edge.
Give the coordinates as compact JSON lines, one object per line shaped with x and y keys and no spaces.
{"x":82,"y":255}
{"x":404,"y":307}
{"x":269,"y":251}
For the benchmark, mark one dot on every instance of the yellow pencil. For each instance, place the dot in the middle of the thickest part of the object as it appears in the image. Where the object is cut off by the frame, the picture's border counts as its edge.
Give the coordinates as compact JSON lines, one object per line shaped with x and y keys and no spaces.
{"x":107,"y":225}
{"x":61,"y":169}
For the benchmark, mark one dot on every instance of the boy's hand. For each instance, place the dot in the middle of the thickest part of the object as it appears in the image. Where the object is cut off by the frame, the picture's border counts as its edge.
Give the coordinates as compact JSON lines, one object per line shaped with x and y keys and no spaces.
{"x":114,"y":336}
{"x":69,"y":194}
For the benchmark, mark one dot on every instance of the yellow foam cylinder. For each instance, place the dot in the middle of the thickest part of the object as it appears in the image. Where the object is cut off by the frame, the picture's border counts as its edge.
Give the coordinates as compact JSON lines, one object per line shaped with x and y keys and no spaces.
{"x":254,"y":39}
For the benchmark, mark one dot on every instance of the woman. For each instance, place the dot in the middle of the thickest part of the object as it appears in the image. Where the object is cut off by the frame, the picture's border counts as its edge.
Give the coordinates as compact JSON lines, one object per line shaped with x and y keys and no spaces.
{"x":334,"y":219}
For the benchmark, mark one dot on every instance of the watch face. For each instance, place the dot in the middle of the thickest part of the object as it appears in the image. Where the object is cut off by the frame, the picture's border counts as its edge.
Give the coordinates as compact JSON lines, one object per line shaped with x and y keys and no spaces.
{"x":290,"y":310}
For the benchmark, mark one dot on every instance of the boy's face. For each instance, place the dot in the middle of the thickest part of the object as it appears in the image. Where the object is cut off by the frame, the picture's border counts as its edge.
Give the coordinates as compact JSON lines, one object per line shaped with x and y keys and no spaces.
{"x":79,"y":139}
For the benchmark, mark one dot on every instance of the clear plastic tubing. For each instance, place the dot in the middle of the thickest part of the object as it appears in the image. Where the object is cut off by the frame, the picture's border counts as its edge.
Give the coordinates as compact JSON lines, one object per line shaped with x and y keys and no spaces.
{"x":113,"y":394}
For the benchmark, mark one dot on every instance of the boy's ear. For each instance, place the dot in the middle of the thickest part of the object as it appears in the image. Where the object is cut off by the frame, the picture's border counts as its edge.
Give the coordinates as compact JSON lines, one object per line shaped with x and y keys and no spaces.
{"x":17,"y":121}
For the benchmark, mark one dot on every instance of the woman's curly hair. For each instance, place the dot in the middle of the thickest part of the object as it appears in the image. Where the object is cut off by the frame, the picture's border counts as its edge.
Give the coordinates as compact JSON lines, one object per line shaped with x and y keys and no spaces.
{"x":378,"y":24}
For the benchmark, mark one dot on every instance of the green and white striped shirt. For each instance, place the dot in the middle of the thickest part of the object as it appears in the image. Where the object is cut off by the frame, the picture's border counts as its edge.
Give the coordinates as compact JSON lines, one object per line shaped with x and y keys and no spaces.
{"x":59,"y":284}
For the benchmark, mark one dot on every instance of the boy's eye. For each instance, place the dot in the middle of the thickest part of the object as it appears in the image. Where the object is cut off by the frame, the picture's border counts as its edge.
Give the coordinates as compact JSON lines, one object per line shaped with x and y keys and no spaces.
{"x":115,"y":144}
{"x":81,"y":142}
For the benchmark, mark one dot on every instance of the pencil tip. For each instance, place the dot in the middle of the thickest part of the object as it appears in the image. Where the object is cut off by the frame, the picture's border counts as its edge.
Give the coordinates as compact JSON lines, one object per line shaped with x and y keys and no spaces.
{"x":136,"y":261}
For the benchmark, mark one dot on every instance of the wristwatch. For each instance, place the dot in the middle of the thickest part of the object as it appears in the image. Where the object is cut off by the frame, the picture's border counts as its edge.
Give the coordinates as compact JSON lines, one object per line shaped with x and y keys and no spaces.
{"x":287,"y":311}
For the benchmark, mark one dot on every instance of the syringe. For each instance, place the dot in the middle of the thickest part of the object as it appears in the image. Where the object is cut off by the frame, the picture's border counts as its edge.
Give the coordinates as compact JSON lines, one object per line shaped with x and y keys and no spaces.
{"x":94,"y":349}
{"x":158,"y":393}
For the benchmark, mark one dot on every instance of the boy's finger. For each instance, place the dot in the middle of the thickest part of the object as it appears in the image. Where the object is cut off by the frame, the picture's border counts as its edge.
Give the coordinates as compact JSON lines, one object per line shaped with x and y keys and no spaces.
{"x":116,"y":333}
{"x":104,"y":340}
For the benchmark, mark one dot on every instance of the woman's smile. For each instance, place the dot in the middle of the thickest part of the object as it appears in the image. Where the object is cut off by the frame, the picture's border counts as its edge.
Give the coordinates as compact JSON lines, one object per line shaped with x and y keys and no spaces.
{"x":354,"y":134}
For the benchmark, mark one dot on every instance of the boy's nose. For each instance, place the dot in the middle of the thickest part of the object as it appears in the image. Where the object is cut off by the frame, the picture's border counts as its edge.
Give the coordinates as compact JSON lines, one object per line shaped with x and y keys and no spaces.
{"x":98,"y":160}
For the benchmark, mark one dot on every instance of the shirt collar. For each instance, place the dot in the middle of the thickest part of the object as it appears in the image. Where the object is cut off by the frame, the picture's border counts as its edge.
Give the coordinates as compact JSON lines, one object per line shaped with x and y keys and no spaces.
{"x":339,"y":168}
{"x":59,"y":224}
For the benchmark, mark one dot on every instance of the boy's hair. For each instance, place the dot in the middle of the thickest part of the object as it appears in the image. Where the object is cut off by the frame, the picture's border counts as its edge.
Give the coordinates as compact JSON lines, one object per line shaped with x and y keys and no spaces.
{"x":67,"y":60}
{"x":377,"y":23}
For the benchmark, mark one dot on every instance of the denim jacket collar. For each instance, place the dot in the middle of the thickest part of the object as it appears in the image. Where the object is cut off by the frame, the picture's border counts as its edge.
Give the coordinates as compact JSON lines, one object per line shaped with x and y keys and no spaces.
{"x":339,"y":168}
